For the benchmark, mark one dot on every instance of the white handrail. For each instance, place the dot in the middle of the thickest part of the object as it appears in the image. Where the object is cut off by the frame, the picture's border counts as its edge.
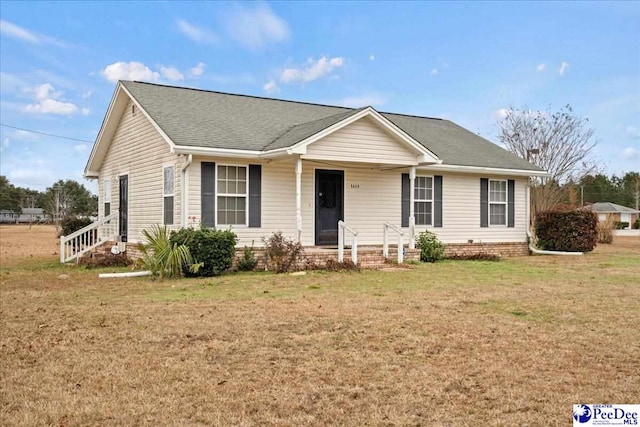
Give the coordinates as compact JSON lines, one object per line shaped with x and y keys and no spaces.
{"x":93,"y":235}
{"x":342,"y":226}
{"x":385,"y":248}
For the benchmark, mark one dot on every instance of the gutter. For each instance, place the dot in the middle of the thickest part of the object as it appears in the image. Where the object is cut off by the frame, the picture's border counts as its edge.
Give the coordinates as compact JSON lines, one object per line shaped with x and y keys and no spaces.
{"x":542,"y":252}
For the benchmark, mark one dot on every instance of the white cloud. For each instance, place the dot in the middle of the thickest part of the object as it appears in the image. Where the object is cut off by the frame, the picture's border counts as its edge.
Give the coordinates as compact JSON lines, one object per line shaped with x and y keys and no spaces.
{"x":51,"y":106}
{"x":500,"y":114}
{"x":195,"y":33}
{"x":271,"y":87}
{"x":87,"y":94}
{"x":198,"y":70}
{"x":129,"y":71}
{"x":563,"y":68}
{"x":23,"y":135}
{"x":372,"y":99}
{"x":32,"y":177}
{"x":541,"y":67}
{"x":434,"y":71}
{"x":80,"y":147}
{"x":630,"y":153}
{"x":255,"y":27}
{"x":372,"y":57}
{"x":48,"y":102}
{"x":17,"y":32}
{"x":85,"y":111}
{"x":312,"y":70}
{"x":171,"y":73}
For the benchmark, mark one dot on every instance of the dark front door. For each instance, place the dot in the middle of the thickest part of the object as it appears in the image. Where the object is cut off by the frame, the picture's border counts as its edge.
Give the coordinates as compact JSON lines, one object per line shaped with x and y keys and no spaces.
{"x":329,"y":205}
{"x":123,"y":207}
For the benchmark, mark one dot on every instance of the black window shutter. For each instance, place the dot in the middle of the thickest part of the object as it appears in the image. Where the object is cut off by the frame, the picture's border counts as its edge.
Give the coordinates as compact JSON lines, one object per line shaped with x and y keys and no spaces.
{"x":484,"y":202}
{"x":406,"y":199}
{"x":437,"y":201}
{"x":255,"y":195}
{"x":208,"y":193}
{"x":511,"y":206}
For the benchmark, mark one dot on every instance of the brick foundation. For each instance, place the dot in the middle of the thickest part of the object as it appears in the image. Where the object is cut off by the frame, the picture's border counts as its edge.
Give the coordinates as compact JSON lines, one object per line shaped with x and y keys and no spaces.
{"x":500,"y":249}
{"x":369,"y":257}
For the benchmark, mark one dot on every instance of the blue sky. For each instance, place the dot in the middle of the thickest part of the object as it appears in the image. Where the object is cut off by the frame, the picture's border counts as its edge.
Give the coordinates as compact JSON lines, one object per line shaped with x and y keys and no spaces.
{"x":466,"y":62}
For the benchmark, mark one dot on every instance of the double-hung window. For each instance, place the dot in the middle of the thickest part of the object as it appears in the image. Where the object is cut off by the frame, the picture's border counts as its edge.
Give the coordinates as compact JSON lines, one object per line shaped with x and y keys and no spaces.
{"x":232,"y":195}
{"x":497,"y":202}
{"x":423,"y":200}
{"x":107,"y":196}
{"x":168,"y":186}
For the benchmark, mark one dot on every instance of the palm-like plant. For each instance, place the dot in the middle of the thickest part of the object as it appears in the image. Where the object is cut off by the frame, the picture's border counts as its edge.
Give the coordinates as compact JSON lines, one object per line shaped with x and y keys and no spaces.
{"x":163,"y":258}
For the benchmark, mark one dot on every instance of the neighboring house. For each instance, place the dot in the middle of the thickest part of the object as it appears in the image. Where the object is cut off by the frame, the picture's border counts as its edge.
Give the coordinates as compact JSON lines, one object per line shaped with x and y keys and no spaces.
{"x":614,"y":211}
{"x":28,"y":215}
{"x":184,"y":157}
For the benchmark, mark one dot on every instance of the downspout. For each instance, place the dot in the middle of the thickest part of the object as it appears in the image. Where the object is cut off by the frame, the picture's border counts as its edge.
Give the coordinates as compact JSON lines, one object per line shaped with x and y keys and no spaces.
{"x":185,"y":190}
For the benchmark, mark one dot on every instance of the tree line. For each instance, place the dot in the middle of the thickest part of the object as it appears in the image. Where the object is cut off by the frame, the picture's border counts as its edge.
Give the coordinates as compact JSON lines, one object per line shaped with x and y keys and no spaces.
{"x":63,"y":199}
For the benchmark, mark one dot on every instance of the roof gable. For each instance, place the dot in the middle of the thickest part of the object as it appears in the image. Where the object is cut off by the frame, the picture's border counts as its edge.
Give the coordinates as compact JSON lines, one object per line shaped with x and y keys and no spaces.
{"x":205,"y":122}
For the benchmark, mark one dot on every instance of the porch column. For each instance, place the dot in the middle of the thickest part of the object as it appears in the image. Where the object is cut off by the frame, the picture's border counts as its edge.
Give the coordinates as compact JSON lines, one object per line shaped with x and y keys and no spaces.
{"x":412,"y":218}
{"x":299,"y":199}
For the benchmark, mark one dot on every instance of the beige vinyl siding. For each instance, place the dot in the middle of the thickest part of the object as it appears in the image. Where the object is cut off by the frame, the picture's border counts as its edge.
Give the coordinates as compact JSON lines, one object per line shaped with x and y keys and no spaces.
{"x":139,"y":151}
{"x":372,"y":197}
{"x":461,"y":211}
{"x":278,"y":198}
{"x":362,"y":141}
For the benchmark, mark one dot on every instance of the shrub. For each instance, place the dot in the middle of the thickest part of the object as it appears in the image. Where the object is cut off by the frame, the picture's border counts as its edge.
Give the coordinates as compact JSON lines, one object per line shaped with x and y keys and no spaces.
{"x":162,"y":257}
{"x":106,"y":260}
{"x":215,"y":249}
{"x":72,"y":224}
{"x":574,"y":231}
{"x":346,"y":265}
{"x":605,"y":230}
{"x":636,"y":224}
{"x":621,"y":225}
{"x":282,"y":253}
{"x":248,"y":261}
{"x":431,"y":249}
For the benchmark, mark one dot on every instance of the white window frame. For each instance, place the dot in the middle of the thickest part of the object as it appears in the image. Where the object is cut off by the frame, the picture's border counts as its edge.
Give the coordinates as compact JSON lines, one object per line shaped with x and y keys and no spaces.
{"x":416,"y":200}
{"x":492,"y":202}
{"x":171,"y":194}
{"x":245,"y":195}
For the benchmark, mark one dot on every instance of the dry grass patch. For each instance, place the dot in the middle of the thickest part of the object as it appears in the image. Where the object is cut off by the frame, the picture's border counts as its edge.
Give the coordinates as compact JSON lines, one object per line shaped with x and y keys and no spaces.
{"x":455,"y":343}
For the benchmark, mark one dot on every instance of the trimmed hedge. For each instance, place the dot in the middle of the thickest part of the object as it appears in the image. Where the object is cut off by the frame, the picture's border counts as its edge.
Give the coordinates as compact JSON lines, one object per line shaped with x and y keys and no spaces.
{"x":214,"y":248}
{"x":636,"y":224}
{"x":574,"y":231}
{"x":621,"y":225}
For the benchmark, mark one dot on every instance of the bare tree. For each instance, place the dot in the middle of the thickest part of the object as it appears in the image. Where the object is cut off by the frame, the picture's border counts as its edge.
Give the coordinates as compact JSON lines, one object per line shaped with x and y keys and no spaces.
{"x":558,"y":142}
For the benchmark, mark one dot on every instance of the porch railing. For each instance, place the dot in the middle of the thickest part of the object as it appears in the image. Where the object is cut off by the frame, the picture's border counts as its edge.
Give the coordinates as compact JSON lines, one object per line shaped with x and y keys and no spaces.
{"x":385,"y":245}
{"x":342,"y":228}
{"x":93,"y":235}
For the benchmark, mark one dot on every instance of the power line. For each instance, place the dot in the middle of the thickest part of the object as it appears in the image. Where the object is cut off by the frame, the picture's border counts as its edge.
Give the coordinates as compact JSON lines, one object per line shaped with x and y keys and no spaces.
{"x":47,"y":134}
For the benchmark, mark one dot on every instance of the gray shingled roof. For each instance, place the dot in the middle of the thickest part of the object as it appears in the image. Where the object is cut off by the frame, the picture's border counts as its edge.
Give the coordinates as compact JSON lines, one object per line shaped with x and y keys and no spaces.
{"x":199,"y":118}
{"x":608,"y":207}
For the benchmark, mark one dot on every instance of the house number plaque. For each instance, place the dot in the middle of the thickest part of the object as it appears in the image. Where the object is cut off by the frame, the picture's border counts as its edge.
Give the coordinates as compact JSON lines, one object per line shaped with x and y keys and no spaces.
{"x":355,"y":185}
